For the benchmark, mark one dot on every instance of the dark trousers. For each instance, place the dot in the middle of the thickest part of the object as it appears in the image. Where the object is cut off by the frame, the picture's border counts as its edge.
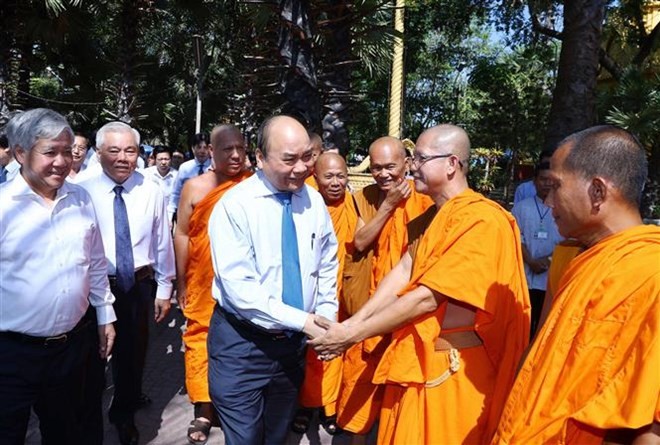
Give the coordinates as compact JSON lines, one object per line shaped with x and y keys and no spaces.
{"x":254,"y":379}
{"x":536,"y":297}
{"x":46,"y":378}
{"x":133,"y":309}
{"x":92,"y":386}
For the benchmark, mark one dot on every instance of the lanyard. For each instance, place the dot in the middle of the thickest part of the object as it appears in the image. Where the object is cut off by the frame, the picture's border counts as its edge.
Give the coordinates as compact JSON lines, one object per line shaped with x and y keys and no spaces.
{"x":538,"y":210}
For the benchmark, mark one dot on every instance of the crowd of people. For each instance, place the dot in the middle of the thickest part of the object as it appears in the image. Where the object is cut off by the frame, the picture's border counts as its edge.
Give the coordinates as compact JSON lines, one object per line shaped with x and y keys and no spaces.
{"x":414,"y":310}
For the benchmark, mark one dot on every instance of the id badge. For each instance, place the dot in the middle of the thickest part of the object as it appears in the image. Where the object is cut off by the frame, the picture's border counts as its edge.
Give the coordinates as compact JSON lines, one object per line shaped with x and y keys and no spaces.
{"x":541,"y":234}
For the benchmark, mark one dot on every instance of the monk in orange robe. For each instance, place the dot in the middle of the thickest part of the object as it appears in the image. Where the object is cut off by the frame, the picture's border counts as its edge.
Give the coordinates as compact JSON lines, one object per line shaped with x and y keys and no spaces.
{"x":562,"y":256}
{"x":322,"y":379}
{"x":592,"y":375}
{"x":380,"y":240}
{"x":194,"y":268}
{"x":317,"y":149}
{"x":457,"y":303}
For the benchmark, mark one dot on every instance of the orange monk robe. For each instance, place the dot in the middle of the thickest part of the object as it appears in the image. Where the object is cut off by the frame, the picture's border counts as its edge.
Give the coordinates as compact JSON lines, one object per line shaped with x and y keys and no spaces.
{"x":199,"y":302}
{"x":469,"y":251}
{"x":311,"y":181}
{"x":562,"y":255}
{"x":322,"y":379}
{"x":594,"y":365}
{"x":359,"y":400}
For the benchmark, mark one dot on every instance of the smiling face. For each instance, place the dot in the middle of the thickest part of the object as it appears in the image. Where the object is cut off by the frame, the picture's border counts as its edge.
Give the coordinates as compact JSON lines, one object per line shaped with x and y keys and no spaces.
{"x":568,"y":197}
{"x":387,"y":162}
{"x":47,"y":164}
{"x":288,"y":157}
{"x":118,"y":155}
{"x":331,"y":176}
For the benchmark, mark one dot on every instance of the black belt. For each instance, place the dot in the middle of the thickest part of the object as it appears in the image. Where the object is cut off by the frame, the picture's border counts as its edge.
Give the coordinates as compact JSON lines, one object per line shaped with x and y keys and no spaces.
{"x":48,"y":341}
{"x":143,"y":273}
{"x":254,"y":330}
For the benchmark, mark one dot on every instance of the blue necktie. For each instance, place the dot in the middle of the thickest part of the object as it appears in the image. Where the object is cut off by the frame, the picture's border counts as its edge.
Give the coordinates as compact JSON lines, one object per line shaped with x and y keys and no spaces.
{"x":201,"y":169}
{"x":291,"y":280}
{"x":123,"y":246}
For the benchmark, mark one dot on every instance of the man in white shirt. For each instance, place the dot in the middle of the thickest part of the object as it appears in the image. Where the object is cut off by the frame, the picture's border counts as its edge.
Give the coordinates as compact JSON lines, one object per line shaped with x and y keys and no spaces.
{"x":527,"y":189}
{"x":52,"y":268}
{"x":138,"y":247}
{"x":275,"y":262}
{"x":201,"y":163}
{"x":539,"y":235}
{"x":162,"y":173}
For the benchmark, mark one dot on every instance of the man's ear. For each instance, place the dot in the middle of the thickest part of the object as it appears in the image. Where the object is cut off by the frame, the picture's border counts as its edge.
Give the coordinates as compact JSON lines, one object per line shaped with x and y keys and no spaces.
{"x":597,"y":193}
{"x":20,"y":154}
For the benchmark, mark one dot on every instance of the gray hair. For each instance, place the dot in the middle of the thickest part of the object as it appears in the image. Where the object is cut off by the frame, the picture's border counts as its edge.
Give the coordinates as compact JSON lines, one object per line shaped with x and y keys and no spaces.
{"x":116,"y":127}
{"x":27,"y":127}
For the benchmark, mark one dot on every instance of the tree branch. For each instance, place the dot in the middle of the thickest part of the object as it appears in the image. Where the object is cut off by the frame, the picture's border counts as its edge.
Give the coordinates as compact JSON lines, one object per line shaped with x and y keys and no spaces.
{"x":609,"y":64}
{"x":647,"y":45}
{"x":538,"y":27}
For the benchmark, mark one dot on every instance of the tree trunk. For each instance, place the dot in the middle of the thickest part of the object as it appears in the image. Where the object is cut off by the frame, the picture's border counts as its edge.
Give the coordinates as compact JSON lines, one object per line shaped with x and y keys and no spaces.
{"x":298,"y":83}
{"x":337,"y":80}
{"x":574,"y":99}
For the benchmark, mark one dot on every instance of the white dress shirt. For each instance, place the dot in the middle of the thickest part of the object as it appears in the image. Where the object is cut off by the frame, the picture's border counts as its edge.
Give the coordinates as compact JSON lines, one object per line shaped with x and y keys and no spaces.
{"x":166,"y":183}
{"x":187,"y":170}
{"x":52,"y":264}
{"x":245,"y":234}
{"x":150,"y":231}
{"x":524,"y":190}
{"x":539,"y":234}
{"x":12,"y":170}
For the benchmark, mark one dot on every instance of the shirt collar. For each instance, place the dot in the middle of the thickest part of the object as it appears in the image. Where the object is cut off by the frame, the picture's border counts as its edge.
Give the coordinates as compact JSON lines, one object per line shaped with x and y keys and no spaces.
{"x":18,"y":187}
{"x":128,"y":185}
{"x":263,"y":186}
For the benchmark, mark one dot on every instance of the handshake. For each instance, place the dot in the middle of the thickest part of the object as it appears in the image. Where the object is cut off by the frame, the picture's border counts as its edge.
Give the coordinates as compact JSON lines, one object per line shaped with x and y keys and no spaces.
{"x":328,"y":338}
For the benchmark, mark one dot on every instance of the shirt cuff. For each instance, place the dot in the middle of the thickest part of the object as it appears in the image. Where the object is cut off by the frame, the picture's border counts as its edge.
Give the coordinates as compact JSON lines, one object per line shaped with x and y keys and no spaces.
{"x":105,"y":314}
{"x":164,"y":292}
{"x":295,"y":319}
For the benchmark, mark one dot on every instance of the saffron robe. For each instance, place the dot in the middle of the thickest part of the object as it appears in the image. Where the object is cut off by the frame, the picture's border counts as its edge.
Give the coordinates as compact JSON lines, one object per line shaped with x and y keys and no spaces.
{"x":322,"y":379}
{"x":359,"y":399}
{"x":199,"y":301}
{"x":469,"y":251}
{"x":594,"y":365}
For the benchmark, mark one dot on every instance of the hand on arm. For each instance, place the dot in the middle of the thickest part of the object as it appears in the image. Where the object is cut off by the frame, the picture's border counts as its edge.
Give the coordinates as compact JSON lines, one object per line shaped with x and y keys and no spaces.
{"x":106,"y":339}
{"x":366,"y":233}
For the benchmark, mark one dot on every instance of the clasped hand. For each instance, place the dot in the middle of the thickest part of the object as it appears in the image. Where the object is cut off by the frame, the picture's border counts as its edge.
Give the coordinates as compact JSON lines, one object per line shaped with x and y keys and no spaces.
{"x":331,"y":338}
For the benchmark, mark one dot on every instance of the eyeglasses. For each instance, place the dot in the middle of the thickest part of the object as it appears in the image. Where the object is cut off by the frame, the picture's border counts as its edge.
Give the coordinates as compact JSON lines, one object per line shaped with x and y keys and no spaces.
{"x":419,"y":160}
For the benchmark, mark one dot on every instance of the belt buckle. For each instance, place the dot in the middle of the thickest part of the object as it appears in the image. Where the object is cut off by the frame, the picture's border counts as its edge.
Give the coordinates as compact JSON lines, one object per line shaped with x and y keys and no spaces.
{"x":56,"y":340}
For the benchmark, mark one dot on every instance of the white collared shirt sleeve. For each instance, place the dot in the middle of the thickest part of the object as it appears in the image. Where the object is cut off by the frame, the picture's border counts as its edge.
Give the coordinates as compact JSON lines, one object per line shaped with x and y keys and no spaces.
{"x":326,"y":303}
{"x":164,"y":265}
{"x":52,"y":262}
{"x":245,"y":236}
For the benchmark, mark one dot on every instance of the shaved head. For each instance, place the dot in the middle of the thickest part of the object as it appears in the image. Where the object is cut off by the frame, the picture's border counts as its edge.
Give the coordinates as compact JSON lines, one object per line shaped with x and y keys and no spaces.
{"x":331,"y":176}
{"x":389,"y":143}
{"x":228,"y":150}
{"x":612,"y":153}
{"x":388,"y":162}
{"x":330,"y":159}
{"x":447,"y":138}
{"x":224,"y":130}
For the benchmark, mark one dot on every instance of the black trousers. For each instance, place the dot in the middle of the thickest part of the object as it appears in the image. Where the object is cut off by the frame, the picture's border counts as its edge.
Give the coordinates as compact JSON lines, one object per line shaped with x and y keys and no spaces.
{"x":254,"y":379}
{"x":536,"y":297}
{"x":133,"y":309}
{"x":92,"y":386}
{"x":46,"y":378}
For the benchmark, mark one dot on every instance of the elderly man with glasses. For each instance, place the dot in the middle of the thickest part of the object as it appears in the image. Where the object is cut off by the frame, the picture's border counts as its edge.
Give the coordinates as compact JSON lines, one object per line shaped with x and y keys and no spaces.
{"x":456,"y":304}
